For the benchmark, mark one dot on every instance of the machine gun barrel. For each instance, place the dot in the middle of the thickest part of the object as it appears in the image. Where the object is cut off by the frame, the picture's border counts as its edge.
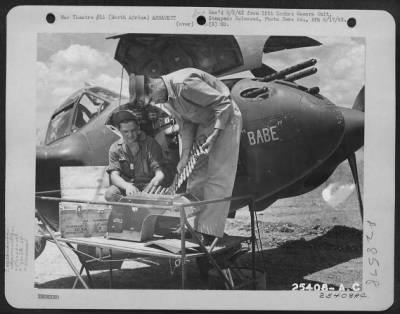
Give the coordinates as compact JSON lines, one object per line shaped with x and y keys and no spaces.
{"x":255,"y":92}
{"x":300,"y":75}
{"x":281,"y":74}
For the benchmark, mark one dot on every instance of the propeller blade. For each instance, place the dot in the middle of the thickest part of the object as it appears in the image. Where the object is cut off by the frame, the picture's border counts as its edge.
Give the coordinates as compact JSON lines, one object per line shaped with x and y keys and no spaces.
{"x":353,"y":166}
{"x":359,"y":102}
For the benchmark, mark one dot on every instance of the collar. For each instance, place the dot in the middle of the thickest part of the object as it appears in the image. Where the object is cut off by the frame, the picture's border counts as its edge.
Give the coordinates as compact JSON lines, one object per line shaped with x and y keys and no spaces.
{"x":162,"y":107}
{"x":167,"y":81}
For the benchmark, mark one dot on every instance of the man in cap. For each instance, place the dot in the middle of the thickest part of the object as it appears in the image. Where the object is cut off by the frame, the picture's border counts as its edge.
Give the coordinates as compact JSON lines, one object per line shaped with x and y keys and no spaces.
{"x":206,"y":115}
{"x":134,"y":161}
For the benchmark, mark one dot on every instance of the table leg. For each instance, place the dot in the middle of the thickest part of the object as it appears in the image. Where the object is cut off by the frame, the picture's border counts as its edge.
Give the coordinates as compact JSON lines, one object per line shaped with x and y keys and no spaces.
{"x":212,"y":260}
{"x":253,"y":241}
{"x":62,"y":251}
{"x":111,"y":274}
{"x":183,"y":246}
{"x":76,"y":279}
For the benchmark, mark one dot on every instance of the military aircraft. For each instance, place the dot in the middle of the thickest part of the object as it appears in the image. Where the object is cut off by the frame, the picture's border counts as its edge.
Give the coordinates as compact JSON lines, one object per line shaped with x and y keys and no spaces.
{"x":293,"y":137}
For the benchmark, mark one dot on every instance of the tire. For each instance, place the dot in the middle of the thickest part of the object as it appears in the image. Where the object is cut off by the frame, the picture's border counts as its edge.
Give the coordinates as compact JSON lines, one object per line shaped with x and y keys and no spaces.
{"x":40,"y":244}
{"x":40,"y":239}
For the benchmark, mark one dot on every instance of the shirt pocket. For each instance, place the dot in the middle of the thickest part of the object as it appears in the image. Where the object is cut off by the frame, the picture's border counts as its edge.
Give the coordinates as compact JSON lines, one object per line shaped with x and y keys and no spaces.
{"x":126,"y":169}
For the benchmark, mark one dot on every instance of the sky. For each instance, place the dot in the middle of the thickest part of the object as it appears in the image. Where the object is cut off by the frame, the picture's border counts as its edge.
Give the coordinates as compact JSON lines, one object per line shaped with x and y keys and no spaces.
{"x":66,"y":61}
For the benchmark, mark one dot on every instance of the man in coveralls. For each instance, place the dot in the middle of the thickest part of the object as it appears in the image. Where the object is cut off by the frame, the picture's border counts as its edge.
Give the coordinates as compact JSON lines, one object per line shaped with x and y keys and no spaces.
{"x":134,"y":161}
{"x":206,"y":114}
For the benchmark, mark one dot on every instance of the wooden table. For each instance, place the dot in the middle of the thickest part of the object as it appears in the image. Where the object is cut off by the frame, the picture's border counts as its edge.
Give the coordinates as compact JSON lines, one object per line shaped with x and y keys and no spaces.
{"x":143,"y":249}
{"x":154,"y":248}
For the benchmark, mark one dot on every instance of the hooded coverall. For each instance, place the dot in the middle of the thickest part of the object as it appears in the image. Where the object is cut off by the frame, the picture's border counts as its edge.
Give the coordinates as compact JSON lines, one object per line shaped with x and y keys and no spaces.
{"x":200,"y":103}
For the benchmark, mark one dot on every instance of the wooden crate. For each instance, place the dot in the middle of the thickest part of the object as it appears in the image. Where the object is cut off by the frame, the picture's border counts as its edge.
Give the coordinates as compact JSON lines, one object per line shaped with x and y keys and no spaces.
{"x":81,"y":219}
{"x":84,"y":182}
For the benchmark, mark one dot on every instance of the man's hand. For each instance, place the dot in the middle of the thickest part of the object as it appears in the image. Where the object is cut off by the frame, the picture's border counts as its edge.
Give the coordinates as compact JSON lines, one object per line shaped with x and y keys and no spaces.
{"x":182,"y":162}
{"x":130,"y":189}
{"x":155,"y":182}
{"x":209,"y":143}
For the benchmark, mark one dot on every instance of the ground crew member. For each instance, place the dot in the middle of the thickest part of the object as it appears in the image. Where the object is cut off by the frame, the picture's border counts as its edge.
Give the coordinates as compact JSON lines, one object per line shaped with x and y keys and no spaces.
{"x":206,"y":114}
{"x":134,"y":161}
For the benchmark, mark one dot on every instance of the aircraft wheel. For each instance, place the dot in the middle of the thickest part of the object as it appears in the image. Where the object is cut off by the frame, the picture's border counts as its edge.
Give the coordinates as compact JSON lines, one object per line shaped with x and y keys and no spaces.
{"x":40,"y":240}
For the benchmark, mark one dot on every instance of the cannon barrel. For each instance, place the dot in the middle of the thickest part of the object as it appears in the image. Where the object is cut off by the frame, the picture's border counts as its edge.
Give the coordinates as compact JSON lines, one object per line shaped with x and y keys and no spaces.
{"x":255,"y":92}
{"x":281,"y":74}
{"x":300,"y":75}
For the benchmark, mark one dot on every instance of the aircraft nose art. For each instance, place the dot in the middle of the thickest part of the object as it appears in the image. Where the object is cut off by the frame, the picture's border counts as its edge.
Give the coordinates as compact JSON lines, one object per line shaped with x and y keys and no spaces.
{"x":285,"y":135}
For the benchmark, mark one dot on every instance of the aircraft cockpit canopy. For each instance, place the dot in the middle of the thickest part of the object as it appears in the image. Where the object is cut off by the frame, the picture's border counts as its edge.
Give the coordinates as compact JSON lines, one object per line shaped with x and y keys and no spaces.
{"x":88,"y":107}
{"x":59,"y":124}
{"x":78,"y":111}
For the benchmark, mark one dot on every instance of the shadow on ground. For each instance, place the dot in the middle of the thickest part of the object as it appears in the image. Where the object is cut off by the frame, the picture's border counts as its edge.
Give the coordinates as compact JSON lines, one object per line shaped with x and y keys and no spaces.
{"x":294,"y":260}
{"x":284,"y":265}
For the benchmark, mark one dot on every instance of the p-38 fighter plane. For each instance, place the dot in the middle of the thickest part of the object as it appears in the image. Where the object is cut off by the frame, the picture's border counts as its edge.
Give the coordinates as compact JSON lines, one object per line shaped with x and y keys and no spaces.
{"x":293,"y":138}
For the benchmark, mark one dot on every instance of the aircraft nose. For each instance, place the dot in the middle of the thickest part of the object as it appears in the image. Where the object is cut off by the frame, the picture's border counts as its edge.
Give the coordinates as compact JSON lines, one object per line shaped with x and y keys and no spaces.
{"x":354,"y":129}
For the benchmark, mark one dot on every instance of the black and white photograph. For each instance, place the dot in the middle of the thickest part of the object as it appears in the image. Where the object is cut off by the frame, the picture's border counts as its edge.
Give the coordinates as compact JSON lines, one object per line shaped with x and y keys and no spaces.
{"x":201,"y":162}
{"x":302,"y":130}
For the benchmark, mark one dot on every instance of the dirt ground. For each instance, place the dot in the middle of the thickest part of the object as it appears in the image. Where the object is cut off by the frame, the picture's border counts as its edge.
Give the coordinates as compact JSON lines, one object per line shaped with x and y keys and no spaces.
{"x":300,"y":240}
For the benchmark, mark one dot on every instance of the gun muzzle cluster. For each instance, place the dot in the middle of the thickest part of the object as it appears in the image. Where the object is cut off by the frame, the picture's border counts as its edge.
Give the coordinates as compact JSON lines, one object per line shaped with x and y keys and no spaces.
{"x":282,"y":75}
